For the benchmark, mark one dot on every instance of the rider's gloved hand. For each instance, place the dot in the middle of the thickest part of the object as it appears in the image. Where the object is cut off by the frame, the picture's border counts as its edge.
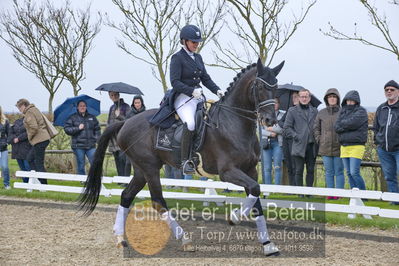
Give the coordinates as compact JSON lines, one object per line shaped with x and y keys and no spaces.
{"x":220,"y":93}
{"x":197,"y":93}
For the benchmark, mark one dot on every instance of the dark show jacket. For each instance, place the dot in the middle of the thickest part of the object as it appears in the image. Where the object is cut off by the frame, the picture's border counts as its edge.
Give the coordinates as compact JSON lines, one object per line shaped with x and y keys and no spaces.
{"x":186,"y":73}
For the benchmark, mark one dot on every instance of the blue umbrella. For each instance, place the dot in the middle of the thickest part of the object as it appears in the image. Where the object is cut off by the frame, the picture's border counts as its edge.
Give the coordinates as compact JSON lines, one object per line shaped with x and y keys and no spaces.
{"x":69,"y":107}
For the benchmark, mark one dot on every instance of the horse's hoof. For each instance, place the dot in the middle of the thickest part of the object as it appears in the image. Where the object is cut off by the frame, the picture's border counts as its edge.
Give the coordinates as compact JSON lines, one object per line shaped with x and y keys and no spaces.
{"x":234,"y":218}
{"x":270,"y":249}
{"x":120,"y":242}
{"x":187,"y":244}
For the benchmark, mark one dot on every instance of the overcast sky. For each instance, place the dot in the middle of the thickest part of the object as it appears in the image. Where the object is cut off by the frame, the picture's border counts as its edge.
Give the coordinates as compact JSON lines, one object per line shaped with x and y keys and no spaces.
{"x":312,"y":60}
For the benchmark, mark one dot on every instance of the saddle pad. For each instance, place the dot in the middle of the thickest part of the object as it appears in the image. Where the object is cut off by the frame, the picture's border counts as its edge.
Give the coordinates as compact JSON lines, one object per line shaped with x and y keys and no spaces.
{"x":164,"y":139}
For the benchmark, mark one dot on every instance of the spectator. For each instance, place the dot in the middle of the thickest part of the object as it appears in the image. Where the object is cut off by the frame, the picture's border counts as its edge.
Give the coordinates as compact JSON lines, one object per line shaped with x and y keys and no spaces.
{"x":386,"y":135}
{"x":20,"y":146}
{"x":38,"y":135}
{"x":4,"y":129}
{"x":136,"y":108}
{"x":299,"y":126}
{"x":272,"y":141}
{"x":85,"y":130}
{"x":352,"y":126}
{"x":287,"y":145}
{"x":117,"y":112}
{"x":172,"y":173}
{"x":327,"y":140}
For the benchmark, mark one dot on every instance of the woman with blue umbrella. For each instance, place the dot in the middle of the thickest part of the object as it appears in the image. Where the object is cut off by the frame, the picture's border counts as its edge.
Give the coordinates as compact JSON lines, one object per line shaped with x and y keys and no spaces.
{"x":85,"y":130}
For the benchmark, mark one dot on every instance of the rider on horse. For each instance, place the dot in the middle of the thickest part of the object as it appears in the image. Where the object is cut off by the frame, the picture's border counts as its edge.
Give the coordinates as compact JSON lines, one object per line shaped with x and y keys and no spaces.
{"x":187,"y":70}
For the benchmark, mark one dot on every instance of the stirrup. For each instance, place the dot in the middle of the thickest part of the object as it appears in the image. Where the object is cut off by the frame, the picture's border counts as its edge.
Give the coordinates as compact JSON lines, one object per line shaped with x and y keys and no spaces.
{"x":188,"y":167}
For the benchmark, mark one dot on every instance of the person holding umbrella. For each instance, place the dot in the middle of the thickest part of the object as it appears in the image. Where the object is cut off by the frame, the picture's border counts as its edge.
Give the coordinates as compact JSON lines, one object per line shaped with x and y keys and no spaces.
{"x":117,"y":112}
{"x":85,"y":130}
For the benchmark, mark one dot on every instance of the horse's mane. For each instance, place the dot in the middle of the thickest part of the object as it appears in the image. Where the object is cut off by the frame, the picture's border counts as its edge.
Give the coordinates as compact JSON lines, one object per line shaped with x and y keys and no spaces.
{"x":238,"y":77}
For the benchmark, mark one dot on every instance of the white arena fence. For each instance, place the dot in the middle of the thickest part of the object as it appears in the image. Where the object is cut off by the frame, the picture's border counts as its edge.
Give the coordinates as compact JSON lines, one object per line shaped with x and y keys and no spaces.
{"x":356,"y":205}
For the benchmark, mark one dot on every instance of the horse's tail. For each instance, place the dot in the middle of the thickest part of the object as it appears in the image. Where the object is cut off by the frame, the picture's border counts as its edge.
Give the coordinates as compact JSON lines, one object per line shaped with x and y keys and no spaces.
{"x":89,"y":197}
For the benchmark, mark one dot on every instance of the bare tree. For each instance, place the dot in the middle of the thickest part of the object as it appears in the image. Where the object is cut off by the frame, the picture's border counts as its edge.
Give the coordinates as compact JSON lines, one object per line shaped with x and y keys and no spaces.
{"x":260,"y":30}
{"x":154,"y":26}
{"x":150,"y":25}
{"x":378,"y":20}
{"x":73,"y":35}
{"x":30,"y":46}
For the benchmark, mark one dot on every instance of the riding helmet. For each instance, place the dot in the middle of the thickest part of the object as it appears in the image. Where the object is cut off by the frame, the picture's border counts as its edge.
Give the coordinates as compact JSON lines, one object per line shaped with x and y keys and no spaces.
{"x":190,"y":32}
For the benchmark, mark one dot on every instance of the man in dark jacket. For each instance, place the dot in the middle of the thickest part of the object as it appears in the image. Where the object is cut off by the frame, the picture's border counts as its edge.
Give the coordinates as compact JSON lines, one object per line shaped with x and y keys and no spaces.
{"x":85,"y":130}
{"x":287,"y":145}
{"x":386,"y":135}
{"x":299,"y":126}
{"x":20,"y":146}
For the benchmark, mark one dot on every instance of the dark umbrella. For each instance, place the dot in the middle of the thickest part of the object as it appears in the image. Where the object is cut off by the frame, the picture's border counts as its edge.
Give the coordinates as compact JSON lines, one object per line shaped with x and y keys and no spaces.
{"x":69,"y":107}
{"x":119,"y":87}
{"x":284,"y":93}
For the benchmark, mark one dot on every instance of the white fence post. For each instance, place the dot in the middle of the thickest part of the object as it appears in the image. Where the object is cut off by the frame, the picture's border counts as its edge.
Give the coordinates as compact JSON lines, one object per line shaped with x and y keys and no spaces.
{"x":354,"y":201}
{"x":211,"y":192}
{"x":33,"y":180}
{"x":106,"y":191}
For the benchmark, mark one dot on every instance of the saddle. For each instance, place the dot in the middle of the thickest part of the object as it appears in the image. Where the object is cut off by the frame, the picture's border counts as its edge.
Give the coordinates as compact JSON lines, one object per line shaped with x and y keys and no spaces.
{"x":169,"y":139}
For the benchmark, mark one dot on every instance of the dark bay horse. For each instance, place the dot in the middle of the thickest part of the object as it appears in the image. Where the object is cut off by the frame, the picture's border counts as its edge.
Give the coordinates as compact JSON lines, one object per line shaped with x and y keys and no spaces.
{"x":230,"y":150}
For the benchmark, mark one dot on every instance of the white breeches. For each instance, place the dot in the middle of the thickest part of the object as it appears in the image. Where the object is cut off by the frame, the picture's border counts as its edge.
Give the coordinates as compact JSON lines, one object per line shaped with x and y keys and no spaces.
{"x":186,"y":110}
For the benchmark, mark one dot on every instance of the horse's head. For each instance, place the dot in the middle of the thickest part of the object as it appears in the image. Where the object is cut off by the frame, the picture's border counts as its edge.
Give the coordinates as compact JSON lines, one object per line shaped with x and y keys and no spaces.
{"x":264,"y":90}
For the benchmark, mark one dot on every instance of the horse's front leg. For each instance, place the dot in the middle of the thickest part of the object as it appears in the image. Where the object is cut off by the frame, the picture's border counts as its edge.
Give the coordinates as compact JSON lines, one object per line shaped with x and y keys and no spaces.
{"x":238,"y":177}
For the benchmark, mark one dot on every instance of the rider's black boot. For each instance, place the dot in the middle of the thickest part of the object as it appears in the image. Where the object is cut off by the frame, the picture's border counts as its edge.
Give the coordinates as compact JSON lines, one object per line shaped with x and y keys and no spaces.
{"x":187,"y":163}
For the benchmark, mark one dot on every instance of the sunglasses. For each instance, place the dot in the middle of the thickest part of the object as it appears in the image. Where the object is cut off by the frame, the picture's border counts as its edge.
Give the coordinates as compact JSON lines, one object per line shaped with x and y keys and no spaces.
{"x":389,"y":90}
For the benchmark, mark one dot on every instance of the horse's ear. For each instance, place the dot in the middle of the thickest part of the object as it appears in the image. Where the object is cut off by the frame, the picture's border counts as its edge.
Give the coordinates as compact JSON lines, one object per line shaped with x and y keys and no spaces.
{"x":278,"y":68}
{"x":260,"y":67}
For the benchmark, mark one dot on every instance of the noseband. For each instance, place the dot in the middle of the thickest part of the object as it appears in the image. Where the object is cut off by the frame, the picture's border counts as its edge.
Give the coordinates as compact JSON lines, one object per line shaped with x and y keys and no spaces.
{"x":255,"y":92}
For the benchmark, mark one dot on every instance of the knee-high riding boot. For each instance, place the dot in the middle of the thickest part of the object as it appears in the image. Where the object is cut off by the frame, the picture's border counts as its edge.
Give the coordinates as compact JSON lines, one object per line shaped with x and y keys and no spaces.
{"x":186,"y":139}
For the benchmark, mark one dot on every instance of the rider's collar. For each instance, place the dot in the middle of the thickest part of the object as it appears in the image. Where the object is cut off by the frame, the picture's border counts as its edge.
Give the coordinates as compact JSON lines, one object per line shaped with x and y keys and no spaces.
{"x":191,"y":54}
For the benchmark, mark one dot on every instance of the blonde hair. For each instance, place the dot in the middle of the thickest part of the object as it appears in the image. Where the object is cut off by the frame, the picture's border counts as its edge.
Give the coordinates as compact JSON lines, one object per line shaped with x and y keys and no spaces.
{"x":3,"y":118}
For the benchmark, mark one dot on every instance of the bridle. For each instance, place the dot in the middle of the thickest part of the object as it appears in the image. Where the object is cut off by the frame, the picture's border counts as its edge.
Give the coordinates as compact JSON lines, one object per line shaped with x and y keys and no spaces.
{"x":248,"y":114}
{"x":255,"y":91}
